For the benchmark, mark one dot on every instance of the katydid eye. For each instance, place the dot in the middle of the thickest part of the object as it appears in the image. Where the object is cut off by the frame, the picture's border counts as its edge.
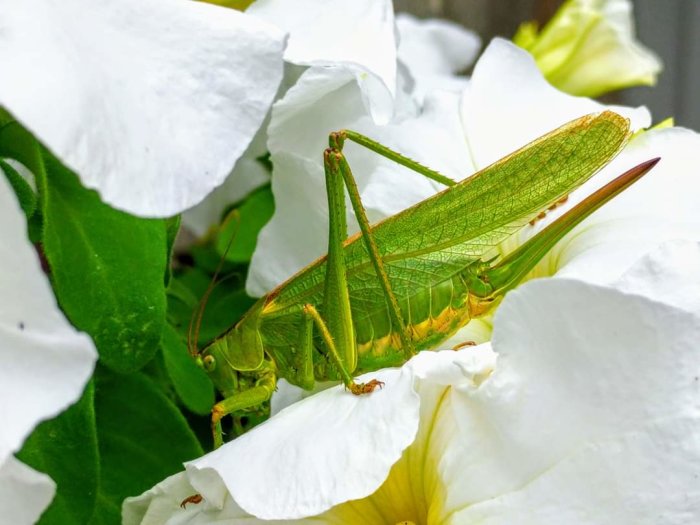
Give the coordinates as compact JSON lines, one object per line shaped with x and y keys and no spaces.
{"x":209,"y":363}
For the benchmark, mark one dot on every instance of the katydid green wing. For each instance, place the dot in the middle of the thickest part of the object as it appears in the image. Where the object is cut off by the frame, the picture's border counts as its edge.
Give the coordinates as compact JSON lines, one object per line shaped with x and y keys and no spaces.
{"x":440,"y":236}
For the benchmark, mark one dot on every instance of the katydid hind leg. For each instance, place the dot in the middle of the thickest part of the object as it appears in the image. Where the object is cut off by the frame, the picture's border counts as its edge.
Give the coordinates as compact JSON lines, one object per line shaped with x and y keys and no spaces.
{"x":336,"y":296}
{"x":374,"y":255}
{"x":336,"y":166}
{"x":392,"y":155}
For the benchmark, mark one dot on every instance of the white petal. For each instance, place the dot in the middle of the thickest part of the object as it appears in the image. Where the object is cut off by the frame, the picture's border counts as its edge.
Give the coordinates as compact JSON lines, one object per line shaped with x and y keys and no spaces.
{"x":44,"y":361}
{"x":358,"y":34}
{"x":509,"y":103}
{"x":157,"y":505}
{"x":287,"y":394}
{"x":324,"y":100}
{"x":413,"y":490}
{"x":645,"y":477}
{"x":670,"y":275}
{"x":24,"y":493}
{"x":295,"y":234}
{"x":577,"y":364}
{"x":150,"y":102}
{"x":435,"y":51}
{"x":476,"y":331}
{"x":317,"y":453}
{"x":435,"y":46}
{"x":161,"y":505}
{"x":432,"y":372}
{"x":248,"y":175}
{"x":464,"y":369}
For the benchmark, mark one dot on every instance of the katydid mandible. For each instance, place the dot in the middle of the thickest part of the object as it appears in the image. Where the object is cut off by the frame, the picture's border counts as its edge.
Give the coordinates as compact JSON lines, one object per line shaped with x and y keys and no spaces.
{"x":410,"y":281}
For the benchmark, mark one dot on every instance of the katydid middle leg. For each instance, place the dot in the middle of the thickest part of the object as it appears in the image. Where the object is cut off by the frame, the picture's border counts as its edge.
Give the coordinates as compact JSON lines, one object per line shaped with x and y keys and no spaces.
{"x":312,"y":317}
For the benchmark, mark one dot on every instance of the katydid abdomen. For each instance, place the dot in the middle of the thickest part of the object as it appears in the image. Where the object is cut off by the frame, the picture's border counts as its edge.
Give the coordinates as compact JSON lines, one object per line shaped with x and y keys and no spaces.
{"x":432,"y":314}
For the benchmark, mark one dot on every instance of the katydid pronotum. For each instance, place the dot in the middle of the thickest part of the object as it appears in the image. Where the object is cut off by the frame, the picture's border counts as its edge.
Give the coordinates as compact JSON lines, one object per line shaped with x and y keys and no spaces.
{"x":410,"y":281}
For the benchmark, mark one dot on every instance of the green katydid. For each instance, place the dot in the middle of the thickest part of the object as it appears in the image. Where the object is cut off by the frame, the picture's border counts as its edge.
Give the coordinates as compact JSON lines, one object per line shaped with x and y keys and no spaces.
{"x":410,"y":281}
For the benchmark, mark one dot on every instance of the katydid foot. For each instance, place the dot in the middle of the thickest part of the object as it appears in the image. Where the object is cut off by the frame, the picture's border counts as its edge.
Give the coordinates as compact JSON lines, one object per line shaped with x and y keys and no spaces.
{"x":365,"y":388}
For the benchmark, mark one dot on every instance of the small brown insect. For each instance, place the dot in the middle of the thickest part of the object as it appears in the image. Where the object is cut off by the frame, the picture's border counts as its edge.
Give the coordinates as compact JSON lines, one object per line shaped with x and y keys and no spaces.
{"x":463,"y":344}
{"x":194,"y":499}
{"x":366,"y":388}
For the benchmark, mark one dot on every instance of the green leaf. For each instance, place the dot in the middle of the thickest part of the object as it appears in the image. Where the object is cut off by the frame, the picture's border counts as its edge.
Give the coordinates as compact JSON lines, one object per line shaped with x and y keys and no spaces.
{"x":172,"y":227}
{"x":191,"y":383}
{"x":107,"y":268}
{"x":155,"y":371}
{"x":225,"y":308}
{"x":5,"y":116}
{"x":244,"y":225}
{"x":25,"y":193}
{"x":17,"y":143}
{"x":143,"y":438}
{"x":65,"y":448}
{"x":227,"y":303}
{"x":184,"y":293}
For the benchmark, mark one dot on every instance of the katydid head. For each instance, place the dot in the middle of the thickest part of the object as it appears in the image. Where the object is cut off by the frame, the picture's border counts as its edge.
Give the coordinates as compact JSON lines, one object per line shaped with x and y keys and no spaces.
{"x":238,"y":350}
{"x":212,"y":359}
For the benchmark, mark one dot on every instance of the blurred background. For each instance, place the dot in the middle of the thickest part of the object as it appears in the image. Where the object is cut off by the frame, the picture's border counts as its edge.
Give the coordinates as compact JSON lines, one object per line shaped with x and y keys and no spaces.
{"x":671,"y":28}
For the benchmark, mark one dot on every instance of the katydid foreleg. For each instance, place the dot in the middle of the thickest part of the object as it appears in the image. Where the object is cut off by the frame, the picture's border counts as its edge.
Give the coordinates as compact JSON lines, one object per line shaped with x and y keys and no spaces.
{"x":253,"y":397}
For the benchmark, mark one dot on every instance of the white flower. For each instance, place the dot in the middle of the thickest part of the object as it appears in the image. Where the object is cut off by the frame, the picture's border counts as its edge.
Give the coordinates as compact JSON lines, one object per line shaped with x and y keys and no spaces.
{"x":44,"y":363}
{"x":589,"y":48}
{"x":589,"y":415}
{"x":358,"y":35}
{"x":356,"y":41}
{"x":435,"y":52}
{"x":151,"y":102}
{"x":329,"y":40}
{"x":24,"y":492}
{"x":249,"y":174}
